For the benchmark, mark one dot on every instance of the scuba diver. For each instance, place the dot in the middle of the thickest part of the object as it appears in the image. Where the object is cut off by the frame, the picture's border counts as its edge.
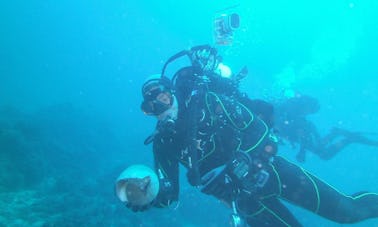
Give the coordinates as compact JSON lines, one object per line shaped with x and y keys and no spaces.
{"x":207,"y":125}
{"x":293,"y":126}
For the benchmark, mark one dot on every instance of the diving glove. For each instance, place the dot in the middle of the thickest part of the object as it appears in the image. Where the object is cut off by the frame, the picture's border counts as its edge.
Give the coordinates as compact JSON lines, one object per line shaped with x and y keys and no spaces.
{"x":139,"y":208}
{"x":239,"y":174}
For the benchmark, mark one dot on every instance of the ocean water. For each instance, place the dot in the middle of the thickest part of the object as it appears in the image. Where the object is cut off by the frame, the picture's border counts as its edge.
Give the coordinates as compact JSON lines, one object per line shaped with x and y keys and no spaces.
{"x":70,"y":80}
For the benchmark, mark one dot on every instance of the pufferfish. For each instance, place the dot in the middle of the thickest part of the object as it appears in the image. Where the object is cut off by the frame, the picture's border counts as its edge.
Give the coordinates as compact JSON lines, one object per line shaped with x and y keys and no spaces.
{"x":137,"y":190}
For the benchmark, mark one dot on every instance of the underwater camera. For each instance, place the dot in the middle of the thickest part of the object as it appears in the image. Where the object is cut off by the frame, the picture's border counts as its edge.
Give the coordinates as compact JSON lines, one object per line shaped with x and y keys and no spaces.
{"x":224,"y":26}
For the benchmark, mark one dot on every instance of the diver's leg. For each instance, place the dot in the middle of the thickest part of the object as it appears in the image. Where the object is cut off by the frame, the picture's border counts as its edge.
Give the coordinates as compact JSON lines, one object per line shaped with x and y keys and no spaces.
{"x":333,"y":134}
{"x":303,"y":189}
{"x":353,"y":137}
{"x":356,"y":137}
{"x":269,"y":212}
{"x":263,"y":208}
{"x":328,"y":146}
{"x":332,"y":149}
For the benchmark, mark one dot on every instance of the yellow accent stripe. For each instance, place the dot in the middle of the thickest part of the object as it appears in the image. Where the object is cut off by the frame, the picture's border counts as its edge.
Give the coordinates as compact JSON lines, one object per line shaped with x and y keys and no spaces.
{"x":261,"y":139}
{"x":275,"y":215}
{"x":278,"y":179}
{"x":348,"y":196}
{"x":212,"y":150}
{"x":256,"y":213}
{"x":316,"y":190}
{"x":279,"y":185}
{"x":268,"y":196}
{"x":313,"y":182}
{"x":246,"y":125}
{"x":362,"y":195}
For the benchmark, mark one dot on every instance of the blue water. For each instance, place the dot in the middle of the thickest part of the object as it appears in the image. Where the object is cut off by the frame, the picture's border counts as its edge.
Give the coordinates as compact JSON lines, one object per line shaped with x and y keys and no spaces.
{"x":70,"y":78}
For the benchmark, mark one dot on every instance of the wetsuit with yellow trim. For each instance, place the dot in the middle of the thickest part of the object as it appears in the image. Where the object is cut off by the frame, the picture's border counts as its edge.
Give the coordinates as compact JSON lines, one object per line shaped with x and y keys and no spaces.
{"x":216,"y":141}
{"x":295,"y":185}
{"x":226,"y":126}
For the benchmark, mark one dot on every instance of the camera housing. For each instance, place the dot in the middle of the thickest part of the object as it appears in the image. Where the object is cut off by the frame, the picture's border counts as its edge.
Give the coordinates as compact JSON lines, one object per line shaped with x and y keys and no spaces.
{"x":224,"y":26}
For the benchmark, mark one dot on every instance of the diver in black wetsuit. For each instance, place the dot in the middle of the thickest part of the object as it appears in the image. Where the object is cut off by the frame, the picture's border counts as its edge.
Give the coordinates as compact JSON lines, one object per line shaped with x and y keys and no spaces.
{"x":293,"y":126}
{"x":230,"y":153}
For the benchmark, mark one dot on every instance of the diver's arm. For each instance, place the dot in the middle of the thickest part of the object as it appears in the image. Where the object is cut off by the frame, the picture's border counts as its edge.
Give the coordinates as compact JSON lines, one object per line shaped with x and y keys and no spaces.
{"x":166,"y":167}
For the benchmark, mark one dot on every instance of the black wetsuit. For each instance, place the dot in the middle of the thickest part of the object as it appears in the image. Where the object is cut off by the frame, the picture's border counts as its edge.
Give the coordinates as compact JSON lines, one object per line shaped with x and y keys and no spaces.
{"x":225,"y":126}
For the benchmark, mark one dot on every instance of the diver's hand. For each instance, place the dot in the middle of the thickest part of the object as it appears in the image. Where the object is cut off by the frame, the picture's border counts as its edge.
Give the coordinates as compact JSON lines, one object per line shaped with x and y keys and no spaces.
{"x":218,"y":183}
{"x":138,"y":208}
{"x":205,"y":59}
{"x":227,"y":178}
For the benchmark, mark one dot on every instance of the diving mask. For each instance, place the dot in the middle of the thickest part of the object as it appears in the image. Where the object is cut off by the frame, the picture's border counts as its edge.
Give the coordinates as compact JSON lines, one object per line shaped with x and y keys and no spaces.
{"x":157,"y":101}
